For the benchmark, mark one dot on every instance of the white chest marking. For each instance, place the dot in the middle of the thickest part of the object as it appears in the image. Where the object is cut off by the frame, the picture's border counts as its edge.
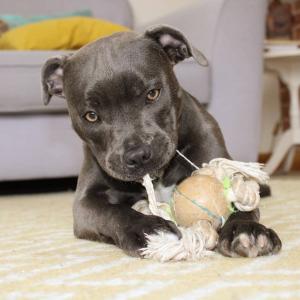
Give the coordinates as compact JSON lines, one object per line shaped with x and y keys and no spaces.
{"x":163,"y":193}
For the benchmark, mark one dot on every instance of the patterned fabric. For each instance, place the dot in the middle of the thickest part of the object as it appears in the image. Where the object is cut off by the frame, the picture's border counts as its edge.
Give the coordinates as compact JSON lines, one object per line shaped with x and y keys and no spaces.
{"x":17,"y":20}
{"x":40,"y":258}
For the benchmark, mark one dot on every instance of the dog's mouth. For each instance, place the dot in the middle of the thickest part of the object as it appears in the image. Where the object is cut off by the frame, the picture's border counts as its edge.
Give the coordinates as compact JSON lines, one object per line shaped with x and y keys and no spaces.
{"x":153,"y":173}
{"x":154,"y":169}
{"x":138,"y":174}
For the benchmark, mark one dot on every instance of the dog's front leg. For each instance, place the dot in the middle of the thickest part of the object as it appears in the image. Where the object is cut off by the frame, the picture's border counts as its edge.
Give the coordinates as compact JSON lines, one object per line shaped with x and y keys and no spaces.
{"x":95,"y":218}
{"x":242,"y":235}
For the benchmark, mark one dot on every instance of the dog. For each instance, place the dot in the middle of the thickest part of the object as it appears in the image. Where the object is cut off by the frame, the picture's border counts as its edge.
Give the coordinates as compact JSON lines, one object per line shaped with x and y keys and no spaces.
{"x":128,"y":108}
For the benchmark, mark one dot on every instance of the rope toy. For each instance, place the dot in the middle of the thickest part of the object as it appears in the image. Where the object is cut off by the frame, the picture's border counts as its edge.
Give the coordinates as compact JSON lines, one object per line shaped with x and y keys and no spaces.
{"x":199,"y":206}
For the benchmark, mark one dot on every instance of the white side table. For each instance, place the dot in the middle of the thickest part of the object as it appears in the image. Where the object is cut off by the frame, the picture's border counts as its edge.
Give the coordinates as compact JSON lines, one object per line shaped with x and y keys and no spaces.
{"x":287,"y":64}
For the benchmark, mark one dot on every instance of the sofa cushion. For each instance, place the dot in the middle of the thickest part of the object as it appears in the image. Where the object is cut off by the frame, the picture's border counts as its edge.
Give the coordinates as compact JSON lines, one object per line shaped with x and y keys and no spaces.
{"x":38,"y":146}
{"x":20,"y":75}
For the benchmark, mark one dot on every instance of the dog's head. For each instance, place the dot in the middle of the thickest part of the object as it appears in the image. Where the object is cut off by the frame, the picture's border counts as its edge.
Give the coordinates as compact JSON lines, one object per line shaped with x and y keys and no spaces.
{"x":123,"y":98}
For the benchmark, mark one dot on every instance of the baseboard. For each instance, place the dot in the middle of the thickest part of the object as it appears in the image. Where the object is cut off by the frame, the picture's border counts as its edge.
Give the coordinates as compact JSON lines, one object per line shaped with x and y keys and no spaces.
{"x":263,"y":158}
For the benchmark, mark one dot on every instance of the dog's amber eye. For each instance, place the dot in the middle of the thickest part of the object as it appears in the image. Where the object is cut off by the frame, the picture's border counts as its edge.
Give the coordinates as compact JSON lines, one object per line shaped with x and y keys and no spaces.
{"x":153,"y":94}
{"x":91,"y":116}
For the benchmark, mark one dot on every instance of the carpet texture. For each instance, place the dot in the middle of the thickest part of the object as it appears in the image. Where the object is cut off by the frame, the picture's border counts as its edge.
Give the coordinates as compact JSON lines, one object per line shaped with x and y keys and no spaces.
{"x":40,"y":258}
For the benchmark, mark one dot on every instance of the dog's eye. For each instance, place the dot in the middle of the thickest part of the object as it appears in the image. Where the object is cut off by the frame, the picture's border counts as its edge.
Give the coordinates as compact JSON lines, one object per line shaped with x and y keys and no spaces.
{"x":91,"y":116}
{"x":153,"y":94}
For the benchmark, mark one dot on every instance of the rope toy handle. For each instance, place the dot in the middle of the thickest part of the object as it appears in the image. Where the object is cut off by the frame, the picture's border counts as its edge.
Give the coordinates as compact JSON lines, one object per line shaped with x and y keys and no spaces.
{"x":240,"y":180}
{"x":159,"y":209}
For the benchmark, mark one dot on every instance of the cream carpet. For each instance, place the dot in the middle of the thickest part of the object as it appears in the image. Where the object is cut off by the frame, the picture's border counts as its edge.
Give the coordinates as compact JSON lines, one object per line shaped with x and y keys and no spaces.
{"x":40,"y":258}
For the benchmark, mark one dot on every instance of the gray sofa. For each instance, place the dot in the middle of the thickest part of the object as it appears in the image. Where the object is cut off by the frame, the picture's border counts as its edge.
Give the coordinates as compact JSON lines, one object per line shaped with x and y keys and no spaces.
{"x":38,"y":142}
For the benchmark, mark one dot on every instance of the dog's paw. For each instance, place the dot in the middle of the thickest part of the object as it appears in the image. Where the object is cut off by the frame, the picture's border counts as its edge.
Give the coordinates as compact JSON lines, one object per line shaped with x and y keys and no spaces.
{"x":133,"y":238}
{"x":248,"y":239}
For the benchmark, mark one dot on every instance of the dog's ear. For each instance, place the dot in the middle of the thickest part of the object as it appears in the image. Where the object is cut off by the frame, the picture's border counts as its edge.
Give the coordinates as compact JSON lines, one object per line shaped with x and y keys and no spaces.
{"x":175,"y":44}
{"x":52,"y":77}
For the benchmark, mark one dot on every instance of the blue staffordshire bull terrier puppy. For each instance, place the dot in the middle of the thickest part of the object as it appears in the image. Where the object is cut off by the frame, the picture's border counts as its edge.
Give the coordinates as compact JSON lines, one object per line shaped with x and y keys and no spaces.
{"x":128,"y":108}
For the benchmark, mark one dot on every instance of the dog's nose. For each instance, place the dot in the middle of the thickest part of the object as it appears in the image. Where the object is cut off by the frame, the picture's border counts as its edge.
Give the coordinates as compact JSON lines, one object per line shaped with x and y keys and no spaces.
{"x":137,"y":157}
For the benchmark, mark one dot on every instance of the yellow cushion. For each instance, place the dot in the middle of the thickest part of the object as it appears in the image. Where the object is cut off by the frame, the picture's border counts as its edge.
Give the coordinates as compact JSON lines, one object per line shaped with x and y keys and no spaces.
{"x":65,"y":33}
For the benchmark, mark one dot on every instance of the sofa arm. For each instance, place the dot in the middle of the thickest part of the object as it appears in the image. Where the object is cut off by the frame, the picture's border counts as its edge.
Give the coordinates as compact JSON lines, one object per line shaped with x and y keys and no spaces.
{"x":236,"y":58}
{"x":197,"y":19}
{"x":230,"y":33}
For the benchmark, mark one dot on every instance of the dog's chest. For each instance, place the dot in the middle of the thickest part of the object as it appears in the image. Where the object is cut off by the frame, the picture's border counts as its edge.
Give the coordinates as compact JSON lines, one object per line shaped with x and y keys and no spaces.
{"x":163,"y":193}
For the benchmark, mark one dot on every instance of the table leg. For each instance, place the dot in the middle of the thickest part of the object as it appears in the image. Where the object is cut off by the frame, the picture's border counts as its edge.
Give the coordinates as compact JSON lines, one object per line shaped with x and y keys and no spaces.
{"x":280,"y":150}
{"x":289,"y":73}
{"x":289,"y":160}
{"x":294,"y":112}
